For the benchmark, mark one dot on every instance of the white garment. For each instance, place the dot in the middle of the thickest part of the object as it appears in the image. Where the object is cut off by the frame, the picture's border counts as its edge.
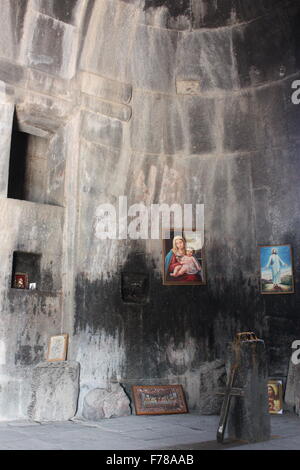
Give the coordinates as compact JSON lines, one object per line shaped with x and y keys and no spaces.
{"x":191,"y":264}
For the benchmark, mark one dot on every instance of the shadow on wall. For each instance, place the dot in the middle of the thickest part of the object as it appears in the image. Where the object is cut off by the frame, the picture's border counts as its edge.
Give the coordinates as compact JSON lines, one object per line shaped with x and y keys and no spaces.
{"x":296,"y":35}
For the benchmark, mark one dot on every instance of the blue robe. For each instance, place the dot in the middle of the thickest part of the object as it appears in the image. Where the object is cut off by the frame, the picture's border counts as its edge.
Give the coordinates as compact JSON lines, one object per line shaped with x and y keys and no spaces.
{"x":168,"y":261}
{"x":275,"y":263}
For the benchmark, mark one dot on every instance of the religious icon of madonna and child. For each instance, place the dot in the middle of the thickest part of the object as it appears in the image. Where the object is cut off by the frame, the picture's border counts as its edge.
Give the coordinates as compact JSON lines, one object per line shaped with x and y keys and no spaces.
{"x":183,"y":258}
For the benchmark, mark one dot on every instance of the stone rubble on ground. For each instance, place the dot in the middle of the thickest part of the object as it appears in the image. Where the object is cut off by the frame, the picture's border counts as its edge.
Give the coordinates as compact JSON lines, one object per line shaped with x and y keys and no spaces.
{"x":100,"y":403}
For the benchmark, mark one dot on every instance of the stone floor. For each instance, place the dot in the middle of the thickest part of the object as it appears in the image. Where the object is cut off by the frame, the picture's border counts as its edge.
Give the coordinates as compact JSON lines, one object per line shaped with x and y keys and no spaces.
{"x":182,"y":432}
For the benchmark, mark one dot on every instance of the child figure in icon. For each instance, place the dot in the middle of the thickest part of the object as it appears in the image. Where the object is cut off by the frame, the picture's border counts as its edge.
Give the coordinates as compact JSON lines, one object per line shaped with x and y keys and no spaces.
{"x":187,"y":264}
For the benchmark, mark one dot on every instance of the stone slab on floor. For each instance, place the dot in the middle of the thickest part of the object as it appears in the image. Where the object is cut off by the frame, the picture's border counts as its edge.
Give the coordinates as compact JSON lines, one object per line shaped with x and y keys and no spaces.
{"x":55,"y":390}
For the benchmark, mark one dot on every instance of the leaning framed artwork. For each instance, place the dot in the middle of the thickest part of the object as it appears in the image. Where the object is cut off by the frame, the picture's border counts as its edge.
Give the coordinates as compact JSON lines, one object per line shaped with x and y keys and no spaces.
{"x":276,"y":269}
{"x":275,"y":397}
{"x":159,"y":399}
{"x":57,"y":350}
{"x":183,"y":257}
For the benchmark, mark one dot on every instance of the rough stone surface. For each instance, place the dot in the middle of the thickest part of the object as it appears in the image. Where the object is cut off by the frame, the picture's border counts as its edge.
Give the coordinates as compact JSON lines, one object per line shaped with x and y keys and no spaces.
{"x":292,"y":390}
{"x":208,"y":57}
{"x":12,"y":73}
{"x":162,"y":101}
{"x":167,"y":14}
{"x":112,"y":62}
{"x":13,"y":14}
{"x":251,"y":67}
{"x":100,"y":403}
{"x":68,"y":11}
{"x":185,"y":432}
{"x":209,"y":14}
{"x":52,"y":46}
{"x":114,"y":110}
{"x":212,"y":380}
{"x":249,"y":418}
{"x":51,"y":85}
{"x":101,"y":129}
{"x":145,"y":42}
{"x":105,"y":88}
{"x":55,"y":389}
{"x":7,"y":110}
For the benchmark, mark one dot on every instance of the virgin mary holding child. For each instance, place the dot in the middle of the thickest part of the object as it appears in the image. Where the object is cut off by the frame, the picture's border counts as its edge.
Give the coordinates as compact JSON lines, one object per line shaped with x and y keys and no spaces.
{"x":181,"y":264}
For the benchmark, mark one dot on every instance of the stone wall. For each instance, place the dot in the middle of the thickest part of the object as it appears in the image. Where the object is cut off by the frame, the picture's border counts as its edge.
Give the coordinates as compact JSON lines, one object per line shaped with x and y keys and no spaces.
{"x":161,"y":101}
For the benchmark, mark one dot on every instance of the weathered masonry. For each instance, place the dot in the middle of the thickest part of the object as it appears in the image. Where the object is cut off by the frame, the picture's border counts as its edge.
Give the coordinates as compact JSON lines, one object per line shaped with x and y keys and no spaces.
{"x":162,"y":101}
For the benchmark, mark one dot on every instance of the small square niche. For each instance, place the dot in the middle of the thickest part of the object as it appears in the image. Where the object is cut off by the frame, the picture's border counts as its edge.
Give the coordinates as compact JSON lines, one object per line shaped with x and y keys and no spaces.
{"x":134,"y":287}
{"x":26,"y":270}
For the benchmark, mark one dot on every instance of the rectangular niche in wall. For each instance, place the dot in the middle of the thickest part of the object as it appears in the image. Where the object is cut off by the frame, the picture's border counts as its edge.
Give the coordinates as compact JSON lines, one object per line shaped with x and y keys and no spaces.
{"x":28,"y":165}
{"x":26,"y":270}
{"x":134,"y":287}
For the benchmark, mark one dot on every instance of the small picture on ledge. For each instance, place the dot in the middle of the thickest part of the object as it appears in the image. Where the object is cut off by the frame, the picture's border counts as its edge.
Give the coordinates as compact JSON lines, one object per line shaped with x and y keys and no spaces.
{"x":57,"y":350}
{"x":20,"y":281}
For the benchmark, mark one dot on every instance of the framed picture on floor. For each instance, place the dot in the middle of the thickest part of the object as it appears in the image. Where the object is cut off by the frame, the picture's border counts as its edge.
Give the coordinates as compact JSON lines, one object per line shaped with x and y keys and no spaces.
{"x":159,"y":399}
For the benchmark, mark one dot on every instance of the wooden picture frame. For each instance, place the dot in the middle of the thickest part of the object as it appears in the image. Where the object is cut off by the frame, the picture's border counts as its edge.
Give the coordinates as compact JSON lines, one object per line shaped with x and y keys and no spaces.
{"x":57,"y":350}
{"x":275,"y":396}
{"x":174,"y":263}
{"x":276,"y":269}
{"x":159,"y":399}
{"x":20,"y":281}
